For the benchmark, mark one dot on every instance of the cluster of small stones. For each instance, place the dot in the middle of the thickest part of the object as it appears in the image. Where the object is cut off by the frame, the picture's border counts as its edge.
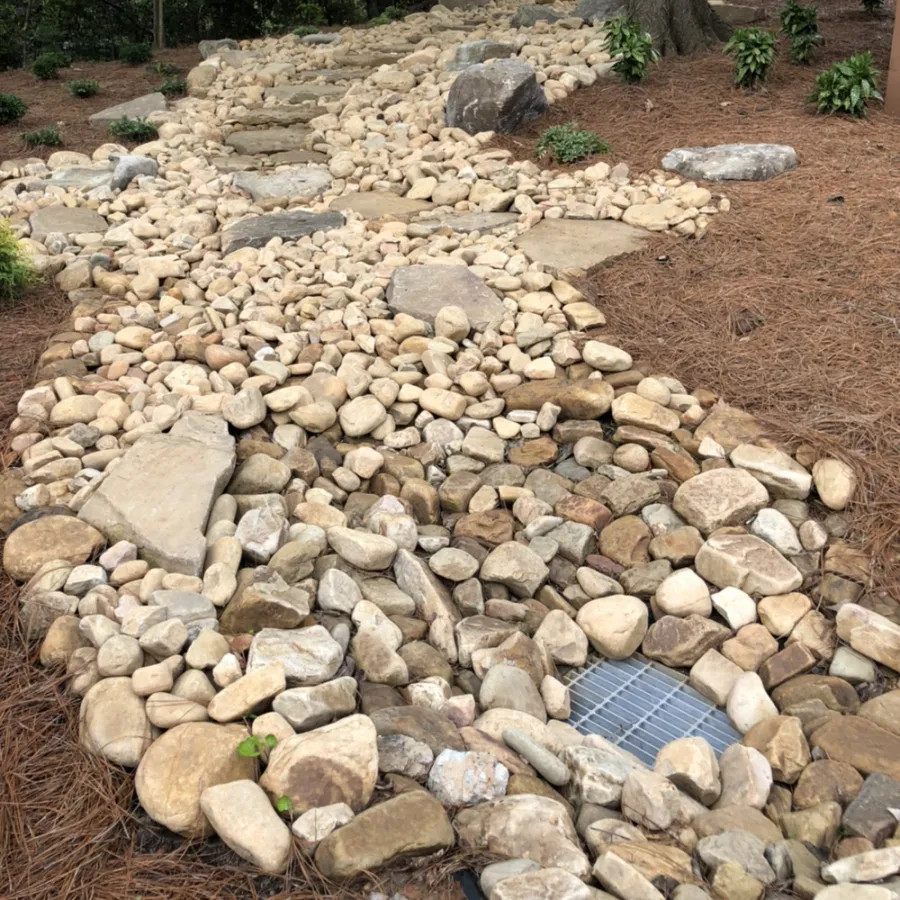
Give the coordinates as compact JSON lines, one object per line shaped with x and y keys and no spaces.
{"x":370,"y":488}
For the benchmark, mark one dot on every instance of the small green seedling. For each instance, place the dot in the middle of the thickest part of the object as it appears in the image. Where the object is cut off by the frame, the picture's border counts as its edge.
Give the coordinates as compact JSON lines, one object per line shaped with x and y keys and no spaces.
{"x":566,"y":144}
{"x":253,"y":747}
{"x":284,"y":805}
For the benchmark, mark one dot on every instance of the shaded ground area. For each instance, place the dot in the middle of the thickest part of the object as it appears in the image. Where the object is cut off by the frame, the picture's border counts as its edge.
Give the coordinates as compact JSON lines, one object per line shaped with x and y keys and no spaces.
{"x":51,"y":105}
{"x":790,"y":307}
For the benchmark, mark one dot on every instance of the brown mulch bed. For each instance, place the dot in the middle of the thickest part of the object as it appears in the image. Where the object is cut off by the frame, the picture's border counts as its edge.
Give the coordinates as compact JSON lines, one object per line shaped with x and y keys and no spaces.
{"x":790,"y":307}
{"x":51,"y":105}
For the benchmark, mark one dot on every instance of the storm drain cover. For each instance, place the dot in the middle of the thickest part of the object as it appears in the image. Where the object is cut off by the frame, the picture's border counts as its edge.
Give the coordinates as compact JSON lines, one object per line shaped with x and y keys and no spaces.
{"x":641,"y":706}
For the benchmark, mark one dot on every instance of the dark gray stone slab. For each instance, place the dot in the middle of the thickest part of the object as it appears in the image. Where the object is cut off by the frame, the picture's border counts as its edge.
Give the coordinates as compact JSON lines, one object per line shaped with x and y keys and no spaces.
{"x":257,"y":231}
{"x":499,"y":97}
{"x":598,"y":10}
{"x":869,"y":813}
{"x":531,"y":14}
{"x":731,"y":162}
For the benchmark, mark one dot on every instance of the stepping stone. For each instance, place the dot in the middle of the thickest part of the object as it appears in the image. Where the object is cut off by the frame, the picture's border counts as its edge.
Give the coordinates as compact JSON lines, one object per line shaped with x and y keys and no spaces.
{"x":463,"y":223}
{"x":235,"y":163}
{"x":64,"y":220}
{"x":210,"y":48}
{"x":367,"y":60}
{"x":297,"y":156}
{"x":269,"y":140}
{"x":567,"y":244}
{"x":322,"y":39}
{"x":161,"y":492}
{"x":292,"y":114}
{"x":257,"y":231}
{"x":305,"y":93}
{"x":80,"y":177}
{"x":139,"y":108}
{"x":332,"y":75}
{"x":237,"y":58}
{"x":375,"y":204}
{"x":301,"y":183}
{"x":423,"y":291}
{"x":475,"y":52}
{"x":731,"y":162}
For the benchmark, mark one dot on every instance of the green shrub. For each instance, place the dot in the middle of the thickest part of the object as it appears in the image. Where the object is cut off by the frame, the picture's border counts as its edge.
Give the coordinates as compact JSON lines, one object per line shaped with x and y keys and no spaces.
{"x":45,"y":137}
{"x":311,"y":15}
{"x":45,"y":67}
{"x":84,"y":89}
{"x":16,"y":271}
{"x":753,"y":51}
{"x":166,"y":69}
{"x":847,"y":86}
{"x":871,"y":6}
{"x":627,"y":39}
{"x":799,"y":23}
{"x":136,"y":131}
{"x":11,"y":108}
{"x":173,"y":87}
{"x":304,"y":30}
{"x":388,"y":15}
{"x":566,"y":144}
{"x":135,"y":54}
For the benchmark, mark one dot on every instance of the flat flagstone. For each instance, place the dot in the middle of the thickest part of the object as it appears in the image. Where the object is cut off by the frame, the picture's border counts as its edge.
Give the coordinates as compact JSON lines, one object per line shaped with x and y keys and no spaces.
{"x":566,"y":244}
{"x":301,"y":183}
{"x":139,"y":108}
{"x":66,"y":220}
{"x":375,"y":204}
{"x":257,"y":231}
{"x":463,"y":223}
{"x":305,"y":93}
{"x":268,"y":140}
{"x":283,"y":116}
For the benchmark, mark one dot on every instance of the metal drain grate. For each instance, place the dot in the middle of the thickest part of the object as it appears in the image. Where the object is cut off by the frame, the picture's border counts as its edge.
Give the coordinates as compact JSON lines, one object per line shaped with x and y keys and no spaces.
{"x":641,"y":706}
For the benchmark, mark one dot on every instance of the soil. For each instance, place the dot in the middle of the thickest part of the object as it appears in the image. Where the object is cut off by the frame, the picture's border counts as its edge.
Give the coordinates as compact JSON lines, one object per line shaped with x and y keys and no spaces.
{"x":790,"y":306}
{"x":51,"y":105}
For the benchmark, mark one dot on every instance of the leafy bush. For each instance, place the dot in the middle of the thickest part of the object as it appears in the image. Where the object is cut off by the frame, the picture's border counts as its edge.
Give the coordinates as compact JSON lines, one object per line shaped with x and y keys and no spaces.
{"x":16,"y":272}
{"x":388,"y":15}
{"x":311,"y":15}
{"x":872,"y":6}
{"x":46,"y":137}
{"x":566,"y":144}
{"x":137,"y":131}
{"x":173,"y":87}
{"x":166,"y":69}
{"x":627,"y":39}
{"x":800,"y":25}
{"x":11,"y":108}
{"x":84,"y":89}
{"x":847,"y":86}
{"x":753,"y":51}
{"x":135,"y":54}
{"x":304,"y":30}
{"x":45,"y":67}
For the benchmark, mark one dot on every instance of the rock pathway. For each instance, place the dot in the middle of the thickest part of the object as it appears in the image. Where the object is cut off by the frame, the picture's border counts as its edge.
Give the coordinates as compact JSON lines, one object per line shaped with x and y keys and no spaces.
{"x":334,"y":474}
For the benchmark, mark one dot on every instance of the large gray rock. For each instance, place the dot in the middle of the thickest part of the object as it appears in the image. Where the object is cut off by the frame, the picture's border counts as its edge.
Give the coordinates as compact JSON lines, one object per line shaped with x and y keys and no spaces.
{"x":161,"y":492}
{"x":598,"y":10}
{"x":731,"y":162}
{"x":257,"y":231}
{"x":268,"y":140}
{"x":139,"y":108}
{"x":423,"y":291}
{"x":210,"y":48}
{"x":129,"y":166}
{"x":310,"y":656}
{"x":66,"y":220}
{"x":530,"y":14}
{"x":303,"y":183}
{"x":499,"y":97}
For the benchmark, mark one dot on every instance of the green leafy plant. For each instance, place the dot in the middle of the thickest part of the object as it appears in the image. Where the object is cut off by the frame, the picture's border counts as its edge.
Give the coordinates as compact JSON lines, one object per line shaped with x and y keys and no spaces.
{"x":46,"y":66}
{"x":135,"y":54}
{"x":627,"y":39}
{"x":84,"y":89}
{"x":304,"y":30}
{"x":45,"y":137}
{"x":847,"y":86}
{"x":173,"y":87}
{"x":167,"y":69}
{"x":11,"y":108}
{"x":753,"y":51}
{"x":872,"y":6}
{"x":137,"y":131}
{"x":311,"y":14}
{"x":254,"y":746}
{"x":388,"y":15}
{"x":566,"y":144}
{"x":16,"y":271}
{"x":800,"y":24}
{"x":284,"y":805}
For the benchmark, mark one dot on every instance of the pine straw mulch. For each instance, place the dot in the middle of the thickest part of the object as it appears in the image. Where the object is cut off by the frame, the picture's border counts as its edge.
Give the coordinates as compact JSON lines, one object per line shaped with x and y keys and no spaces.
{"x":50,"y":105}
{"x":790,"y":307}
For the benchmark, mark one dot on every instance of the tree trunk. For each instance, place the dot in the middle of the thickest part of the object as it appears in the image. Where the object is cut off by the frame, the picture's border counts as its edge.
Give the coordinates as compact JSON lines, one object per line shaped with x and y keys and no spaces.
{"x":679,"y":27}
{"x":159,"y":27}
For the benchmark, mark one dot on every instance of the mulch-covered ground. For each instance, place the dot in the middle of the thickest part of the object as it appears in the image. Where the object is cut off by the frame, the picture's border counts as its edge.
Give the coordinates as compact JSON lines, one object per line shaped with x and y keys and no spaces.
{"x":50,"y":105}
{"x":790,"y":307}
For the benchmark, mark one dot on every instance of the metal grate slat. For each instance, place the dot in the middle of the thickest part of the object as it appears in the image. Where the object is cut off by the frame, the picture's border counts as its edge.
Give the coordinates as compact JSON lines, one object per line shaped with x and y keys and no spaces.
{"x":641,"y":706}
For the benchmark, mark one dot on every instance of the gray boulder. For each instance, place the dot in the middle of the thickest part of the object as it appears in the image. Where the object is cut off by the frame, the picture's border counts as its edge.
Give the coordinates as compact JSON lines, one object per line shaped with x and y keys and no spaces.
{"x":321,"y":38}
{"x":499,"y":97}
{"x":598,"y":10}
{"x":731,"y":162}
{"x":530,"y":14}
{"x":257,"y":231}
{"x":210,"y":48}
{"x":474,"y":52}
{"x":129,"y":166}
